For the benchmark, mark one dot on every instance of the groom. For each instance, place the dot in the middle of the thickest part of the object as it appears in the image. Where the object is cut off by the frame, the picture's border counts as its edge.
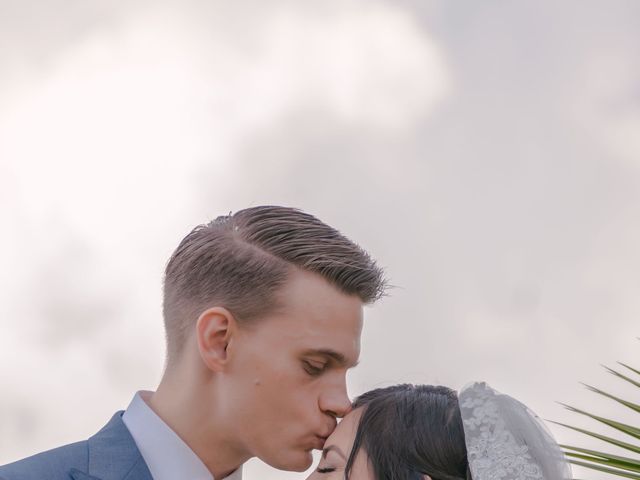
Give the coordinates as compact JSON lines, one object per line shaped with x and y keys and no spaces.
{"x":263,"y":314}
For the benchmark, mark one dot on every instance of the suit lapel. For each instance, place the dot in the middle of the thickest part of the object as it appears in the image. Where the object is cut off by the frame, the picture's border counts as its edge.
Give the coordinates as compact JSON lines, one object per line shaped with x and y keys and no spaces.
{"x":113,"y":455}
{"x":139,"y":471}
{"x":78,"y":475}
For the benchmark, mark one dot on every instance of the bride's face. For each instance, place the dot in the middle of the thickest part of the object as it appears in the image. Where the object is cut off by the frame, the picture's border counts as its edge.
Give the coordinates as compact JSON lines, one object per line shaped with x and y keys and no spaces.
{"x":337,"y":449}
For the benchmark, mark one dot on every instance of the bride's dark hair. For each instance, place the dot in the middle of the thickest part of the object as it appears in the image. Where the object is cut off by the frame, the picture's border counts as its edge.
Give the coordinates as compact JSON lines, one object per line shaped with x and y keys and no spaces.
{"x":409,"y":431}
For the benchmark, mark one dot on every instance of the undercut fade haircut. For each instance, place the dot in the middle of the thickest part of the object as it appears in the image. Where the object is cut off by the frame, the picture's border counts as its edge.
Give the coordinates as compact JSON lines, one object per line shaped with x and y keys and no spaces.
{"x":239,"y":261}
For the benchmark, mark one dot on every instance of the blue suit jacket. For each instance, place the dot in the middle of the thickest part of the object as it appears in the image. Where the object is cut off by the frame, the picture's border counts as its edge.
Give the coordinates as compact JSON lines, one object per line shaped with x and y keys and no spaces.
{"x":111,"y":454}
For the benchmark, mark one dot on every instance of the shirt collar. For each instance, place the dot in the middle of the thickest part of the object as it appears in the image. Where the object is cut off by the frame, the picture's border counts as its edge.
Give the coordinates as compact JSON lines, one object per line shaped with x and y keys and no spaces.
{"x":165,"y":453}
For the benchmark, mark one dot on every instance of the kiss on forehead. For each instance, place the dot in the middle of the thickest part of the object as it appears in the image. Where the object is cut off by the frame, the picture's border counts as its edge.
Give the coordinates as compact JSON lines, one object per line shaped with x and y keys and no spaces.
{"x":263,"y":313}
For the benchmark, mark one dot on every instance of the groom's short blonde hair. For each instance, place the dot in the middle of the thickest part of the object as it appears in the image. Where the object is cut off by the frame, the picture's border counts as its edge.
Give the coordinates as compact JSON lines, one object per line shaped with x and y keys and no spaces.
{"x":239,"y":261}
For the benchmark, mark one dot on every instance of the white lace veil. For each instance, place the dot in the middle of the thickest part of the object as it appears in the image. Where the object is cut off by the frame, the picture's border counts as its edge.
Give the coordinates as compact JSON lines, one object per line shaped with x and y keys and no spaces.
{"x":507,"y":441}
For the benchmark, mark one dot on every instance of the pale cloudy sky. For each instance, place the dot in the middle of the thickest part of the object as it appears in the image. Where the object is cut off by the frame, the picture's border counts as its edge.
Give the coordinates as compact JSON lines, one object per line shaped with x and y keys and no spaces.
{"x":487,"y":153}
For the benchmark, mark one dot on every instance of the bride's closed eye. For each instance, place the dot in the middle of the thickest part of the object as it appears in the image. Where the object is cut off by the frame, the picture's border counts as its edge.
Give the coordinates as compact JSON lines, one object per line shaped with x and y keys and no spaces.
{"x":337,"y":459}
{"x":325,"y":469}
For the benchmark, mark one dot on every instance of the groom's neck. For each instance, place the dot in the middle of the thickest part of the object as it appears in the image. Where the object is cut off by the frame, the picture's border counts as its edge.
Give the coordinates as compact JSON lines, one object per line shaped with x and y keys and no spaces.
{"x":185,"y":401}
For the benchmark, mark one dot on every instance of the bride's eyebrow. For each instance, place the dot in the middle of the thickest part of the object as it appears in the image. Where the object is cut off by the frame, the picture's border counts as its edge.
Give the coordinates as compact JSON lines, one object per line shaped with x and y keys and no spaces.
{"x":333,"y":448}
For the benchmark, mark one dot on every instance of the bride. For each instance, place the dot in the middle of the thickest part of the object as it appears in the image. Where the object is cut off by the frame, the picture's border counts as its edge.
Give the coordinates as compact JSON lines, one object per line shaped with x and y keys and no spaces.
{"x":423,"y":432}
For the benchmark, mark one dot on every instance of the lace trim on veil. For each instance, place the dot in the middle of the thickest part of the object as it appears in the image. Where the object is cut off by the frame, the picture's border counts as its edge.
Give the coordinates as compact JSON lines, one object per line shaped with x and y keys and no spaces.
{"x":492,"y":450}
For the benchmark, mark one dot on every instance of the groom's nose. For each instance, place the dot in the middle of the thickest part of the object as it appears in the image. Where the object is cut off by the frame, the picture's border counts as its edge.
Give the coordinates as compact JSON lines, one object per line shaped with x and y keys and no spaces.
{"x":335,"y":401}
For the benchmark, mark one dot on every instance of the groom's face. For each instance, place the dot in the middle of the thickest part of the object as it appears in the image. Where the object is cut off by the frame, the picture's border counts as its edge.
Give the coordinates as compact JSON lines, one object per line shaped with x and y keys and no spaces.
{"x":286,"y":380}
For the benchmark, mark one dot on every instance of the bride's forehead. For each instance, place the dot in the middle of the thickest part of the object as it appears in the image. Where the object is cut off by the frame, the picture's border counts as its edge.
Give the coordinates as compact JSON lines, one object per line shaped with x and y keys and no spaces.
{"x":345,"y":432}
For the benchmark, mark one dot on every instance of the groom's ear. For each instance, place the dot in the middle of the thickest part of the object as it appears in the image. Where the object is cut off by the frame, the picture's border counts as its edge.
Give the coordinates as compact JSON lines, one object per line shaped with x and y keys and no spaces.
{"x":213,"y":330}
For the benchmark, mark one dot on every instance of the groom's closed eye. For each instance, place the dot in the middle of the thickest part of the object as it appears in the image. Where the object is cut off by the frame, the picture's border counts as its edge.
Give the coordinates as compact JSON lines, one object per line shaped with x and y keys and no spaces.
{"x":314,"y":368}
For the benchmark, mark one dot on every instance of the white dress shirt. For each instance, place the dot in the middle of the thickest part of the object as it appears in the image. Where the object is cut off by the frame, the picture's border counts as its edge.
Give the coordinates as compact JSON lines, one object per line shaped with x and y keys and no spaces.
{"x":164,"y":452}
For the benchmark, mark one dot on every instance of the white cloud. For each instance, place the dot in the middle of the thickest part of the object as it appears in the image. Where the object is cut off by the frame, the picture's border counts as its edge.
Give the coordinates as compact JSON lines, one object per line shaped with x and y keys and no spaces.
{"x":102,"y":152}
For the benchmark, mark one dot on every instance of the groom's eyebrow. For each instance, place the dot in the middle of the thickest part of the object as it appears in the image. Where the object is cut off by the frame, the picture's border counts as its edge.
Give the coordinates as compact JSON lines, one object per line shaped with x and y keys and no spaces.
{"x":333,"y":355}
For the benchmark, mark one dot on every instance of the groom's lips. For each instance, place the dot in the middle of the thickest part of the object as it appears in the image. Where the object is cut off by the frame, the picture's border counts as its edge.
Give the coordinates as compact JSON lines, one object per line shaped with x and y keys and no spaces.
{"x":319,"y":441}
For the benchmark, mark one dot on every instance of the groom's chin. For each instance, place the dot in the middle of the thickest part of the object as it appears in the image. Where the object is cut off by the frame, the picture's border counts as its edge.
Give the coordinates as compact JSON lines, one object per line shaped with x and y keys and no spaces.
{"x":296,"y":461}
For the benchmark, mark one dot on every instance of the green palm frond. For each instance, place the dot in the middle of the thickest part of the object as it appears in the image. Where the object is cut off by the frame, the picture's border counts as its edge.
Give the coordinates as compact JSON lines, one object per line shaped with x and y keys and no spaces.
{"x":634,"y":432}
{"x":612,"y":471}
{"x":624,"y":377}
{"x":637,"y":372}
{"x":631,"y":405}
{"x":609,"y":440}
{"x":616,"y":465}
{"x":608,"y":460}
